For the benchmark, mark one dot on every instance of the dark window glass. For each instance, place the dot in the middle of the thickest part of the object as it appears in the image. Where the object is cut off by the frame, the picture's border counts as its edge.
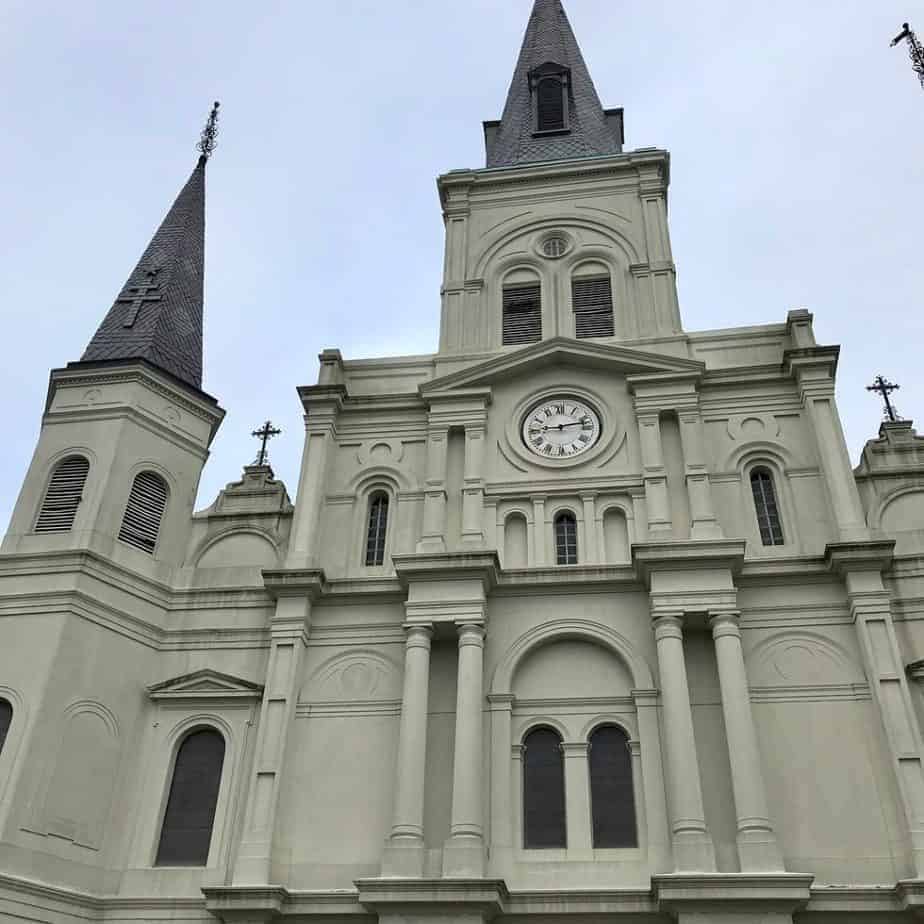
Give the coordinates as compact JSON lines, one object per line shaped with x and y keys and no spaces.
{"x":550,"y":105}
{"x":375,"y":533}
{"x":63,"y":496}
{"x":6,"y":719}
{"x":768,"y":512}
{"x":592,"y":298}
{"x":612,"y":797}
{"x":566,"y":539}
{"x":543,"y":790}
{"x":522,"y":314}
{"x":187,"y":829}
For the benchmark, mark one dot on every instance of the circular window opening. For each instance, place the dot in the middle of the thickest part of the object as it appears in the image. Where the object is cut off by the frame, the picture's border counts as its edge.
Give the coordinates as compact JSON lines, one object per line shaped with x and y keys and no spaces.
{"x":554,"y":246}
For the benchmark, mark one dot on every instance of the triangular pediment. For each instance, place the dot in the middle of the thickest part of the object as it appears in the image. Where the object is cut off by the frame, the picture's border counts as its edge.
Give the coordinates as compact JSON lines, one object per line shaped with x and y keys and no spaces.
{"x":205,"y":684}
{"x":563,"y":350}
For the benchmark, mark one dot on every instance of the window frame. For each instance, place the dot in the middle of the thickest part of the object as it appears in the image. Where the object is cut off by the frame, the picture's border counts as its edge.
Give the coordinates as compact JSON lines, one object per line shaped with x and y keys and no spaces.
{"x":756,"y":471}
{"x":633,"y":786}
{"x":535,"y":283}
{"x":550,"y":71}
{"x":147,"y":469}
{"x":575,"y":279}
{"x":373,"y":496}
{"x":52,"y":471}
{"x":560,"y":517}
{"x":524,"y":790}
{"x":5,"y":732}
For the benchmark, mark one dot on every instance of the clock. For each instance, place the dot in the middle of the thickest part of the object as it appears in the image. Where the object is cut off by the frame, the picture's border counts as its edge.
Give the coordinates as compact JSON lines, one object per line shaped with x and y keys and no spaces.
{"x":561,"y":428}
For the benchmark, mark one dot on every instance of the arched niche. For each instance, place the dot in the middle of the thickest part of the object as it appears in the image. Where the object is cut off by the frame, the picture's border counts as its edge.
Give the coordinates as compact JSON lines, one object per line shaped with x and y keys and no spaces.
{"x":616,"y":536}
{"x":240,"y":549}
{"x":516,"y":541}
{"x":571,"y":668}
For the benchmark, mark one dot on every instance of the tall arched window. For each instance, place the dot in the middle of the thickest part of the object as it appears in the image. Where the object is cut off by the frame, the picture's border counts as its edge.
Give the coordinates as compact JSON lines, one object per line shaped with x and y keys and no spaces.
{"x":543,"y":790}
{"x":766,"y":507}
{"x":612,"y":797}
{"x":186,"y":833}
{"x":63,"y":496}
{"x":522,"y":313}
{"x":377,"y":528}
{"x":144,"y":512}
{"x":566,"y":552}
{"x":6,"y":719}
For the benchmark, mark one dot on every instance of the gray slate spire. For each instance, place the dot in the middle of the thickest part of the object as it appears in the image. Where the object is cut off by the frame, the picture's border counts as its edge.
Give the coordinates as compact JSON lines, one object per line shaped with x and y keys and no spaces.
{"x":158,"y":315}
{"x":592,"y":131}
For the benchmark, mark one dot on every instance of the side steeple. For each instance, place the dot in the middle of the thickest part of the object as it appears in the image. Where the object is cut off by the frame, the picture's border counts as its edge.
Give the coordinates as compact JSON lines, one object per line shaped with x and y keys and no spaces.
{"x":157,"y":317}
{"x":552,"y":110}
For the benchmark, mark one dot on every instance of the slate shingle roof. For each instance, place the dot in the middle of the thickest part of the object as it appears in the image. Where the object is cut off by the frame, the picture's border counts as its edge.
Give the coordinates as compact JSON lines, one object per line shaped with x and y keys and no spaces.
{"x":549,"y":37}
{"x":166,"y":328}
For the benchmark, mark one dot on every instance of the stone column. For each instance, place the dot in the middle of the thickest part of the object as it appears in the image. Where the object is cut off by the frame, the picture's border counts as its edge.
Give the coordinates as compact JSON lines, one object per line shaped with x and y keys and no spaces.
{"x":321,"y":409}
{"x":693,"y":849}
{"x":577,"y":795}
{"x":657,"y":501}
{"x":473,"y":489}
{"x":463,"y":853}
{"x":434,"y":517}
{"x":501,"y":710}
{"x":288,"y":633}
{"x":758,"y":850}
{"x":590,"y":555}
{"x":699,"y":490}
{"x":404,"y":851}
{"x":540,"y":543}
{"x":657,"y":834}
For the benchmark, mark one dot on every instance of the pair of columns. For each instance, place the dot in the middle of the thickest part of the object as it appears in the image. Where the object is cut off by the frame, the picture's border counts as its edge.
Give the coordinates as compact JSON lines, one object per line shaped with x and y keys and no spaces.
{"x":758,"y":849}
{"x":463,"y":853}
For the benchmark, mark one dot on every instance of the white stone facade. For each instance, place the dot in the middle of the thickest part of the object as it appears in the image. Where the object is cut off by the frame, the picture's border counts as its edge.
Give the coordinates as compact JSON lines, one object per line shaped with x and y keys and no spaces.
{"x":374,"y":715}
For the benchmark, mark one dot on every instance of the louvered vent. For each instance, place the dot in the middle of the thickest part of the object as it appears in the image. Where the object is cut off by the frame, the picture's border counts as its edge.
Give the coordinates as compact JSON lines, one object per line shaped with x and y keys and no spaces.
{"x":63,"y":496}
{"x":522,"y":314}
{"x":593,"y":306}
{"x":144,"y":511}
{"x":550,"y":106}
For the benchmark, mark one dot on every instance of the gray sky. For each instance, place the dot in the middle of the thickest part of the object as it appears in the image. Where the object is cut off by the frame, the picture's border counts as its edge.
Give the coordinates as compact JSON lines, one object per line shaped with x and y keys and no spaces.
{"x":796,"y":137}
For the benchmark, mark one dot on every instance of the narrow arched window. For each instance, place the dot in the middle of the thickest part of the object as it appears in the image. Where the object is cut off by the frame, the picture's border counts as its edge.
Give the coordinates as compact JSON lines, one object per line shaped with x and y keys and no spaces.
{"x":6,"y":720}
{"x":187,"y":829}
{"x":376,"y":529}
{"x":144,"y":512}
{"x":522,"y":313}
{"x":566,"y":552}
{"x":543,"y":790}
{"x":766,"y":507}
{"x":550,"y":105}
{"x":612,"y":797}
{"x":63,"y":496}
{"x":592,"y":300}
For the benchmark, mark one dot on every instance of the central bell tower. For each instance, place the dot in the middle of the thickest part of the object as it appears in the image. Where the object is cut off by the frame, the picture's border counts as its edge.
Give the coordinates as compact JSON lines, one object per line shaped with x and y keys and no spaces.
{"x":562,"y":233}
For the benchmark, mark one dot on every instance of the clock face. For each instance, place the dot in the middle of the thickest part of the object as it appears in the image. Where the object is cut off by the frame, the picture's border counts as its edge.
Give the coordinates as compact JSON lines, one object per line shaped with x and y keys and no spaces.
{"x":561,"y":428}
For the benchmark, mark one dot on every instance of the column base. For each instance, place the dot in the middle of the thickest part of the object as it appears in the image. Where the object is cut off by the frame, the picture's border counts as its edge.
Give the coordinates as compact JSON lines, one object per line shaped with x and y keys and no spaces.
{"x":404,"y":858}
{"x":431,"y":544}
{"x":759,"y":852}
{"x":693,"y":852}
{"x":706,"y":529}
{"x":463,"y":858}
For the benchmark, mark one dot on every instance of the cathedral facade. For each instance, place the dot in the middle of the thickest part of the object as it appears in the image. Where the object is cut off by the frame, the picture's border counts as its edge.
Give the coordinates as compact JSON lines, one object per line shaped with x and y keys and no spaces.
{"x":583,"y":617}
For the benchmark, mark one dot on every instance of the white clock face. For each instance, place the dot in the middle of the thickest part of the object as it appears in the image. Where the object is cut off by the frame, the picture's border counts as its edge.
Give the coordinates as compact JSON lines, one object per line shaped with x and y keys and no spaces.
{"x":561,"y":428}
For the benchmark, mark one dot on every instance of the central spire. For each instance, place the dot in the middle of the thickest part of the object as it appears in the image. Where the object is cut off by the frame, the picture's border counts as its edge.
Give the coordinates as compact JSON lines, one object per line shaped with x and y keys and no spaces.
{"x":552,"y":110}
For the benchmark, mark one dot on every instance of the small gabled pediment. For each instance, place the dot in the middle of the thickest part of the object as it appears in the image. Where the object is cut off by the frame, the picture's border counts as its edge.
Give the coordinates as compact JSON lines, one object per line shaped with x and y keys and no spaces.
{"x":558,"y":350}
{"x":205,"y":685}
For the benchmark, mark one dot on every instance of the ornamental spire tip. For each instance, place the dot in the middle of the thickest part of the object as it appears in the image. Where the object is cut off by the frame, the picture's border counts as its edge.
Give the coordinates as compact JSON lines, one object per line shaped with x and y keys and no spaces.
{"x":208,"y":140}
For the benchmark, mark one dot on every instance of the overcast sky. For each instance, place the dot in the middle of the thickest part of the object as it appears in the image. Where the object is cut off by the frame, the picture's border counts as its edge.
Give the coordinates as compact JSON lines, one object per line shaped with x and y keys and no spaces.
{"x":796,"y":137}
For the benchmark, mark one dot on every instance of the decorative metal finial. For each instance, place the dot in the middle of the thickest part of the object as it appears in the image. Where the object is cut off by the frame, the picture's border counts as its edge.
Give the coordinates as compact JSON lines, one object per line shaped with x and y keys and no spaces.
{"x":266,"y":432}
{"x":915,"y":49}
{"x":884,"y":387}
{"x":209,"y":138}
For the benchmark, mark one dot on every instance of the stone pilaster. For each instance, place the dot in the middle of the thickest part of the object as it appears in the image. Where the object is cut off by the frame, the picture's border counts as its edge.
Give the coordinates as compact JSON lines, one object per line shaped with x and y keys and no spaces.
{"x":540,"y":537}
{"x":433,"y":538}
{"x":592,"y":551}
{"x":473,"y":488}
{"x":758,"y":850}
{"x":577,"y":794}
{"x":702,"y":510}
{"x":657,"y":502}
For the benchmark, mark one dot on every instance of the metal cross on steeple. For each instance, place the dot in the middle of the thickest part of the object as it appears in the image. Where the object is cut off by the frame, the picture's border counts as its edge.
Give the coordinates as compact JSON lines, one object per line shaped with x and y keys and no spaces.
{"x":136,"y":296}
{"x":266,"y":432}
{"x":884,"y":387}
{"x":915,"y":49}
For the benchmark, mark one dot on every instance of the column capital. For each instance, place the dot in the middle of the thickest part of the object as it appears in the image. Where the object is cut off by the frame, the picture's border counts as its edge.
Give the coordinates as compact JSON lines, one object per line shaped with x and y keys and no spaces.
{"x":418,"y":634}
{"x":668,"y":624}
{"x":470,"y":633}
{"x":724,"y":623}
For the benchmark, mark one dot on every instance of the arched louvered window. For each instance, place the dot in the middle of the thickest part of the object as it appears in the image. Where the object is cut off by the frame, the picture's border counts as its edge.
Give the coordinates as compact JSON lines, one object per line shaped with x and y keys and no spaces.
{"x":550,"y":105}
{"x":612,"y":797}
{"x":376,"y":529}
{"x":522,"y":313}
{"x":543,"y":790}
{"x":186,"y":833}
{"x":592,"y":300}
{"x":566,"y":552}
{"x":63,"y":496}
{"x":6,"y":720}
{"x":766,"y":507}
{"x":144,"y":512}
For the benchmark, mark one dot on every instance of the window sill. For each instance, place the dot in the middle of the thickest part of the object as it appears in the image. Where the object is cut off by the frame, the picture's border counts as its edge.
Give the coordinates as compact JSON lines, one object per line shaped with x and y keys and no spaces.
{"x":551,"y":132}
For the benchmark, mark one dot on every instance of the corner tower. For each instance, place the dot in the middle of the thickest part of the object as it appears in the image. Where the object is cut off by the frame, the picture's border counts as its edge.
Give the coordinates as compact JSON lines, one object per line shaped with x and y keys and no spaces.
{"x":126,"y":429}
{"x":562,"y":233}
